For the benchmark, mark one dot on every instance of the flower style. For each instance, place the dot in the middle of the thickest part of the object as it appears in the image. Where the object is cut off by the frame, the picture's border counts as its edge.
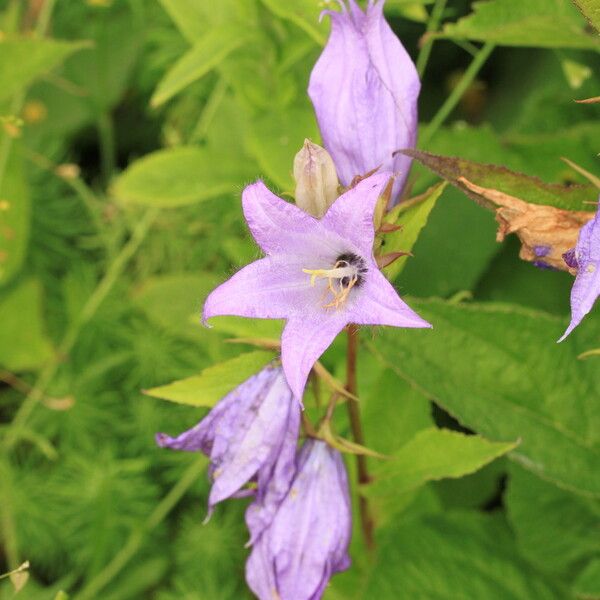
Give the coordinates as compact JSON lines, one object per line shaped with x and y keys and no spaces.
{"x":307,"y":541}
{"x":586,"y":259}
{"x":320,"y":275}
{"x":250,"y":434}
{"x":364,"y":89}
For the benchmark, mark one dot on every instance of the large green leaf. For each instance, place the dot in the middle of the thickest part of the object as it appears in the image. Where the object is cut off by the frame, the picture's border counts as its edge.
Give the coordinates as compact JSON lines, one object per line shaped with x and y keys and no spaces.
{"x":304,"y":14}
{"x":207,"y":53}
{"x":175,"y":177}
{"x":434,"y":454}
{"x":446,"y":557}
{"x":591,"y":11}
{"x":14,"y":218}
{"x":556,"y":530}
{"x":24,"y":59}
{"x":23,"y":341}
{"x":587,"y":584}
{"x":214,"y":382}
{"x":524,"y":187}
{"x":498,"y":370}
{"x":537,"y":23}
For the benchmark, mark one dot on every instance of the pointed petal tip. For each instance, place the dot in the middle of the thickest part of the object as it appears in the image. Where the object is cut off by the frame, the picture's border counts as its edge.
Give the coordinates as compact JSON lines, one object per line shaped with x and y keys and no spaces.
{"x":163,"y":440}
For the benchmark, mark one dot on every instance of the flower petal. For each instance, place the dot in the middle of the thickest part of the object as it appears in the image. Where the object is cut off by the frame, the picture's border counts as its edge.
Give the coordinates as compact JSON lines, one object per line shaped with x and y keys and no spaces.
{"x":379,"y":304}
{"x":302,"y":343}
{"x":351,"y":215}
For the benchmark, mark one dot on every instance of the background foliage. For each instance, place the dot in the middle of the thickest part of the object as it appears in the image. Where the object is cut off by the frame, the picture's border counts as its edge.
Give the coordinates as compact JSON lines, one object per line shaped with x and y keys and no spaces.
{"x":129,"y":128}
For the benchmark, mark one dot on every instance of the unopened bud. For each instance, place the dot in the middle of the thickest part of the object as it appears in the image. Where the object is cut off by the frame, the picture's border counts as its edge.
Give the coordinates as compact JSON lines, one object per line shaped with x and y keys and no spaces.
{"x":316,"y":179}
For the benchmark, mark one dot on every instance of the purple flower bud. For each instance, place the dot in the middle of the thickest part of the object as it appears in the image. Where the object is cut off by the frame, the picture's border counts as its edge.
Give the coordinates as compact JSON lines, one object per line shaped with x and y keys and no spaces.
{"x":307,"y":541}
{"x":364,"y":89}
{"x":250,"y":434}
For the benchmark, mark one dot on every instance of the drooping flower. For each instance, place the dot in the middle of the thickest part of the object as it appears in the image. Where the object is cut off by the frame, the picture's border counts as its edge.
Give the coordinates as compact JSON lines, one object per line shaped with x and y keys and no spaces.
{"x":320,"y":275}
{"x":307,"y":540}
{"x":251,"y":434}
{"x":316,"y":179}
{"x":586,"y":259}
{"x":364,"y":89}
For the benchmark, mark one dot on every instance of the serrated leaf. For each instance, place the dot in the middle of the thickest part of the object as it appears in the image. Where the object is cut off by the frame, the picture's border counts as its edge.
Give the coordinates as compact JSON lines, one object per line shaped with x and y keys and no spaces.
{"x":22,"y":60}
{"x":498,"y":371}
{"x":23,"y":341}
{"x":206,"y":54}
{"x":591,"y":11}
{"x":175,"y":177}
{"x":524,"y":187}
{"x":14,"y":218}
{"x":412,"y":218}
{"x":461,"y":555}
{"x":434,"y":454}
{"x":214,"y":382}
{"x":534,"y":23}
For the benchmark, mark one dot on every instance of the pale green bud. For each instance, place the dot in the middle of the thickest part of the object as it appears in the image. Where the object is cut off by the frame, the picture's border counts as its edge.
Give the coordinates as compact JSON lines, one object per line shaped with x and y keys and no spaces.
{"x":316,"y":179}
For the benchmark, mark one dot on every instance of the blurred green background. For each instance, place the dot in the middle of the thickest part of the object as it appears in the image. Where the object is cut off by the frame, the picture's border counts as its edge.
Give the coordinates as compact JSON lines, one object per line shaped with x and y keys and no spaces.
{"x":128,"y":130}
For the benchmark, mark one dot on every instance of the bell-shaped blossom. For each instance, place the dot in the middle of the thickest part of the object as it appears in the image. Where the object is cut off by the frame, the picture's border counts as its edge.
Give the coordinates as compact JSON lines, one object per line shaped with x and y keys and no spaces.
{"x":586,"y":259}
{"x":364,"y":88}
{"x":307,"y":541}
{"x":250,"y":435}
{"x":319,"y":274}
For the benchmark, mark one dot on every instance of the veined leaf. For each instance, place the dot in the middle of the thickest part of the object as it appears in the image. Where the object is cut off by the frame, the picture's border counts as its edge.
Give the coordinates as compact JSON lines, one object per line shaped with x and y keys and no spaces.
{"x":433,"y":454}
{"x":496,"y":369}
{"x":24,"y":59}
{"x":205,"y":55}
{"x":591,"y":11}
{"x":524,"y":187}
{"x":214,"y":382}
{"x":412,"y":218}
{"x":14,"y":218}
{"x":175,"y":177}
{"x":537,"y":23}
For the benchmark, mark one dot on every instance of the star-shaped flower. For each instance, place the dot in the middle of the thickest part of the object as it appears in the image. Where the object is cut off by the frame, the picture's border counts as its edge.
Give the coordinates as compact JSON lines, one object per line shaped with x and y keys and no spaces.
{"x":319,"y":274}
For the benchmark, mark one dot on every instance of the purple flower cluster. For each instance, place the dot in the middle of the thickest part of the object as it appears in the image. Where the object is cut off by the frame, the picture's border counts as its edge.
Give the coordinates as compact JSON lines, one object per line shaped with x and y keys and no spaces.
{"x":319,"y":274}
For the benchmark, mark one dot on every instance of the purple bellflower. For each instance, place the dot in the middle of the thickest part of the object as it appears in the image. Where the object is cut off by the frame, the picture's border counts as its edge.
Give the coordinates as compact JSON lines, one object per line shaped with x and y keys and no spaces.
{"x":364,"y":89}
{"x":307,"y":541}
{"x":320,"y":275}
{"x":251,"y":434}
{"x":586,"y":259}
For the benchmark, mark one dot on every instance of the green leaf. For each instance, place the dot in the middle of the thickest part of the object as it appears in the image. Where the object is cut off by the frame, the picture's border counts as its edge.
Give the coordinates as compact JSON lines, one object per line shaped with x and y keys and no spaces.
{"x":23,"y":342}
{"x":14,"y":218}
{"x":434,"y":454}
{"x":22,"y":60}
{"x":446,"y":557}
{"x":205,"y":55}
{"x":591,"y":11}
{"x":587,"y":585}
{"x":304,"y":14}
{"x":535,"y":23}
{"x":175,"y":177}
{"x":189,"y":17}
{"x":498,"y":371}
{"x":412,"y":218}
{"x":524,"y":187}
{"x":555,"y":529}
{"x":214,"y":382}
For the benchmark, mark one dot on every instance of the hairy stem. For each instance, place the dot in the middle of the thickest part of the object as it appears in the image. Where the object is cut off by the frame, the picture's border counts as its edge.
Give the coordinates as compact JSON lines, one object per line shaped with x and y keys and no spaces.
{"x":457,"y":93}
{"x":366,"y":520}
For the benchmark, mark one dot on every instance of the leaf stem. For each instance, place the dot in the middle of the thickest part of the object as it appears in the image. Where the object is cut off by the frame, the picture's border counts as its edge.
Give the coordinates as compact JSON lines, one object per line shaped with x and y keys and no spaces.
{"x":432,"y":24}
{"x":457,"y":93}
{"x":366,"y":520}
{"x":47,"y":374}
{"x":135,"y":540}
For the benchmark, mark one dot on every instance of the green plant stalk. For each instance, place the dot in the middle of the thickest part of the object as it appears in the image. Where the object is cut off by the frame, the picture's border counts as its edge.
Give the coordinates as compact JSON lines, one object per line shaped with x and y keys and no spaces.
{"x":120,"y":560}
{"x":47,"y":374}
{"x":432,"y":24}
{"x":457,"y":93}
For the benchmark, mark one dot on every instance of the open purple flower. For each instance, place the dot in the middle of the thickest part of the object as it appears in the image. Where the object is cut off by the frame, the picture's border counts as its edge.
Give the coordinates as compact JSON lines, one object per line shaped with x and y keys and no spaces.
{"x":249,"y":435}
{"x":307,"y":541}
{"x":586,"y":259}
{"x":320,"y":275}
{"x":364,"y":88}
